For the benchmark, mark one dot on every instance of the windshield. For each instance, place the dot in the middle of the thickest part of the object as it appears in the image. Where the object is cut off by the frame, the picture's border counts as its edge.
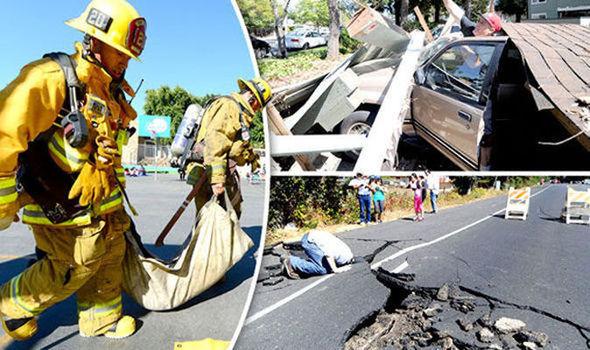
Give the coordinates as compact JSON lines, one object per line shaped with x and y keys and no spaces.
{"x":432,"y":48}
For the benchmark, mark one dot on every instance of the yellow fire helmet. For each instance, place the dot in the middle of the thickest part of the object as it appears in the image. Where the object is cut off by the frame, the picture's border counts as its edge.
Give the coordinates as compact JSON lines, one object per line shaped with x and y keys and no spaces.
{"x":259,"y":87}
{"x":114,"y":22}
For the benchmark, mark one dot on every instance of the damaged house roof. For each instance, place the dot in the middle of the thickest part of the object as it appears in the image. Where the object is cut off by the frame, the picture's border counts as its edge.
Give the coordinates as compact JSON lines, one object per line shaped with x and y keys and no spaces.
{"x":558,"y":55}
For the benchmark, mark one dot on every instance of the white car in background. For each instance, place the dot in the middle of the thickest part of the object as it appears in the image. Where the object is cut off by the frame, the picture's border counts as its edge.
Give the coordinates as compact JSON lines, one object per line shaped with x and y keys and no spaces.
{"x":304,"y":39}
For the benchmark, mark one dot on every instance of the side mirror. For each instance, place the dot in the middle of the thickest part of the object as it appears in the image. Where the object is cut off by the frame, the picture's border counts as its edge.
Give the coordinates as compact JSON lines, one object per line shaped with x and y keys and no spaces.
{"x":419,"y":76}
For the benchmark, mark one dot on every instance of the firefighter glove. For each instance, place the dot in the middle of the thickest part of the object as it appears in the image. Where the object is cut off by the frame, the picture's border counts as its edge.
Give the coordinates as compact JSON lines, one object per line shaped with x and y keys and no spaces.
{"x":92,"y":185}
{"x":106,"y":152}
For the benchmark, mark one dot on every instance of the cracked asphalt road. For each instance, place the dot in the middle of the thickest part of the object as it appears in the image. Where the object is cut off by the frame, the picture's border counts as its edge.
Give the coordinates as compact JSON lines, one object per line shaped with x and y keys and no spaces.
{"x":214,"y":313}
{"x":541,"y":263}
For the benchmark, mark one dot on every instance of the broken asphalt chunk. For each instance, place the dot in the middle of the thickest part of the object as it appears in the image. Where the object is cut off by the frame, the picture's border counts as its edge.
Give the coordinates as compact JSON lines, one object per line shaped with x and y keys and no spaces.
{"x":443,"y":293}
{"x":485,"y":335}
{"x":506,"y":325}
{"x":538,"y":338}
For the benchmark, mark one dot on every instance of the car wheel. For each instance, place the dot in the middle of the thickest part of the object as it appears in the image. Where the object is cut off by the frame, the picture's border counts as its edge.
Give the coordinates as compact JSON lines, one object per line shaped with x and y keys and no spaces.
{"x":259,"y":53}
{"x":357,"y":122}
{"x":305,"y":46}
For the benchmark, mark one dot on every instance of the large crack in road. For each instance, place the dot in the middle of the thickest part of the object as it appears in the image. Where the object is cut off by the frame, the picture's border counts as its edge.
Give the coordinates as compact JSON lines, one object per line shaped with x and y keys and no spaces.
{"x":451,"y":316}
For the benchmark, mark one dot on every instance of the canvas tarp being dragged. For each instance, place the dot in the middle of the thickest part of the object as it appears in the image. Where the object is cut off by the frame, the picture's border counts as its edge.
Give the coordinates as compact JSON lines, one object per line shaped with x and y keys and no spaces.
{"x":215,"y":245}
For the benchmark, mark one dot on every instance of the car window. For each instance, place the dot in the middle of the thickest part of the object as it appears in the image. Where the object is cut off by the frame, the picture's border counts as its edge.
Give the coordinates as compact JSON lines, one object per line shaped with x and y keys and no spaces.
{"x":461,"y":69}
{"x":432,"y":48}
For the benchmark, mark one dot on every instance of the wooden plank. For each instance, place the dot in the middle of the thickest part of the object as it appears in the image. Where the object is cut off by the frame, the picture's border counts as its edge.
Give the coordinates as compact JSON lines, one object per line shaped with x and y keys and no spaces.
{"x":424,"y":25}
{"x":277,"y":126}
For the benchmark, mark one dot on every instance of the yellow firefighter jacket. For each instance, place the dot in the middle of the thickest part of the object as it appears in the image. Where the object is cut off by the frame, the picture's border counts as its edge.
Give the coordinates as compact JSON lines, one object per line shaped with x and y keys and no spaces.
{"x":221,"y":132}
{"x":30,"y":104}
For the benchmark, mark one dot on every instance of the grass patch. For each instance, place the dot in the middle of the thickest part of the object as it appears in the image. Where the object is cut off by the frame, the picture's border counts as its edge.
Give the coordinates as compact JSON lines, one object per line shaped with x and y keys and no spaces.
{"x":275,"y":68}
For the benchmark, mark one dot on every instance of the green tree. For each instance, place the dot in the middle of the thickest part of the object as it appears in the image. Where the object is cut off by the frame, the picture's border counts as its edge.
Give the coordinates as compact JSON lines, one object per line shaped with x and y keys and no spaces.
{"x":513,"y":7}
{"x":298,"y":199}
{"x":312,"y":12}
{"x":171,"y":102}
{"x":257,"y":131}
{"x":256,"y":14}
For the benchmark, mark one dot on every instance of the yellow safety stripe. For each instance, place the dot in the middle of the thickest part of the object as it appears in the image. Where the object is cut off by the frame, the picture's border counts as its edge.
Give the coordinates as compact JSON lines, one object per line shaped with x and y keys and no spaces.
{"x":120,"y":174}
{"x":100,"y":309}
{"x":33,"y":215}
{"x":8,"y":192}
{"x":69,"y":156}
{"x":113,"y":201}
{"x":16,"y":297}
{"x":122,"y":139}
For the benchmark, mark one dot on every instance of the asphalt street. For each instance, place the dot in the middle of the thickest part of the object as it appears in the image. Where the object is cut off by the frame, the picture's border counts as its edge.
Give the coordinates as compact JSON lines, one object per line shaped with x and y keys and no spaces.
{"x":215,"y":313}
{"x":540,"y":264}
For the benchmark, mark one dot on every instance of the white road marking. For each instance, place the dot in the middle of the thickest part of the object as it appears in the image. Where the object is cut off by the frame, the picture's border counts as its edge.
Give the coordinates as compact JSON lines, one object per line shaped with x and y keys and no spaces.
{"x":275,"y":306}
{"x":441,"y":238}
{"x":401,"y":267}
{"x":300,"y":292}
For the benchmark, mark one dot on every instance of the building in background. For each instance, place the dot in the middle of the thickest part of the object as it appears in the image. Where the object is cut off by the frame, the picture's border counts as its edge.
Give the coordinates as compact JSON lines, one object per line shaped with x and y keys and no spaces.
{"x":143,"y":147}
{"x":569,"y":11}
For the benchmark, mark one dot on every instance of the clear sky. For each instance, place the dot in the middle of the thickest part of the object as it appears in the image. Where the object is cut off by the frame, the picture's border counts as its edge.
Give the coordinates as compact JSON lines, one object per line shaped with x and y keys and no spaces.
{"x":196,"y":44}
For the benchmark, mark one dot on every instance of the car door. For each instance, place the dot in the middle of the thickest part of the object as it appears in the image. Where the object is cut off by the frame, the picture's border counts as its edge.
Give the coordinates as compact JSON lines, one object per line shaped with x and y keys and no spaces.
{"x":448,"y":105}
{"x":312,"y":39}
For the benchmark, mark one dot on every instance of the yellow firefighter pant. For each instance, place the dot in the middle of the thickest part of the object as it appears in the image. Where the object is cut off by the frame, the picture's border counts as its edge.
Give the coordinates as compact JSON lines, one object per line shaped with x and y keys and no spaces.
{"x":232,"y":186}
{"x":83,"y":260}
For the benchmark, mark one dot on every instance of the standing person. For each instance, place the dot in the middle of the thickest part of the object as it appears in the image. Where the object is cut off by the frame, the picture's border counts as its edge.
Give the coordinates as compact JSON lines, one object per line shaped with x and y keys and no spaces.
{"x":63,"y":122}
{"x":487,"y":25}
{"x":378,"y":197}
{"x":361,"y":184}
{"x":424,"y":194}
{"x":326,"y":254}
{"x":416,"y":188}
{"x":433,"y":185}
{"x":223,"y":142}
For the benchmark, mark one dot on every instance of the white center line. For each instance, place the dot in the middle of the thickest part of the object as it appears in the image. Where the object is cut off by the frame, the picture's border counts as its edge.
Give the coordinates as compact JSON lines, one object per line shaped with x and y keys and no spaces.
{"x":300,"y":292}
{"x":441,"y":238}
{"x":284,"y":301}
{"x":401,"y":267}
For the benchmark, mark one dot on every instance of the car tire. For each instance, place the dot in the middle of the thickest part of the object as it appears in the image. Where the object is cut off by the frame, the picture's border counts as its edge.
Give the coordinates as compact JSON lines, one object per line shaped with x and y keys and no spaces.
{"x":305,"y":46}
{"x":357,"y":122}
{"x":259,"y":53}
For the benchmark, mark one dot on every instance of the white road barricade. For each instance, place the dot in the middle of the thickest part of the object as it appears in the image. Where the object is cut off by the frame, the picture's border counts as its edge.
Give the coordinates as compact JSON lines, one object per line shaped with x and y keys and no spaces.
{"x":577,"y":207}
{"x":517,"y":205}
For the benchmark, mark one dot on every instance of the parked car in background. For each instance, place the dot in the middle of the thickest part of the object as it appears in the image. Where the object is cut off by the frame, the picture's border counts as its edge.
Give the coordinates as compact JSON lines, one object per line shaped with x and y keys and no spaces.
{"x":324,"y":32}
{"x":304,"y":39}
{"x":261,"y":48}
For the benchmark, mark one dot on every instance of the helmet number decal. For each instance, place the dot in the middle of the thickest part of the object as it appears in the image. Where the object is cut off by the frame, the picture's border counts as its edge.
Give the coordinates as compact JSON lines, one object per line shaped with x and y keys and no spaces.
{"x":99,"y":20}
{"x":136,"y":36}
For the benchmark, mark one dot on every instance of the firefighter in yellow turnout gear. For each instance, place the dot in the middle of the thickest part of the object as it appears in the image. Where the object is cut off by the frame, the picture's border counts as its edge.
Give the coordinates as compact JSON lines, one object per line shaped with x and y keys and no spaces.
{"x":80,"y":222}
{"x":223,"y":141}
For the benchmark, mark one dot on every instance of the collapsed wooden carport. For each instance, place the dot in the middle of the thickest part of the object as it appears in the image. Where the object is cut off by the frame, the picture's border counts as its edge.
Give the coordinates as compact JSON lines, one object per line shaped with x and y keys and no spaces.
{"x":558,"y":57}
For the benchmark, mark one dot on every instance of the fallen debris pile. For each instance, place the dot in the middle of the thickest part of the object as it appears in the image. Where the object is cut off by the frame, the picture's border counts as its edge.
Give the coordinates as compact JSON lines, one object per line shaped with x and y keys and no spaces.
{"x":443,"y":318}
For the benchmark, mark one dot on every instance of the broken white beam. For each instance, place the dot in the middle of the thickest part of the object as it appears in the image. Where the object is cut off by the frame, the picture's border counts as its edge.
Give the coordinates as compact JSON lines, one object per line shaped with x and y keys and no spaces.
{"x":303,"y":144}
{"x":321,"y":88}
{"x":387,"y":128}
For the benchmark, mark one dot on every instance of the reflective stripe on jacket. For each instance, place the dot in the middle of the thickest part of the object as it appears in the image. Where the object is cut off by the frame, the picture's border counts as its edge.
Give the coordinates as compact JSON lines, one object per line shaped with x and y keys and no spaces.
{"x":33,"y":214}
